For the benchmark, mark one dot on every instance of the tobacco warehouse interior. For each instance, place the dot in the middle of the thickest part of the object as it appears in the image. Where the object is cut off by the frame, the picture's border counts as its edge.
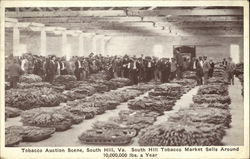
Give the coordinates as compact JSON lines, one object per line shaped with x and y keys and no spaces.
{"x":131,"y":76}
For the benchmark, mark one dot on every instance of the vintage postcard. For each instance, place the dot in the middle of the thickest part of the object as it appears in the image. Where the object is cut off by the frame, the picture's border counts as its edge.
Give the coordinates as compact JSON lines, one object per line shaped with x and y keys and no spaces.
{"x":124,"y":79}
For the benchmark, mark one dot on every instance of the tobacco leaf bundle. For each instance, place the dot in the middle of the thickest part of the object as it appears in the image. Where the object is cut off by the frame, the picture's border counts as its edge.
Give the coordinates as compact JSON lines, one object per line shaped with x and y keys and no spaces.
{"x":181,"y":133}
{"x":45,"y":117}
{"x":143,"y":87}
{"x":99,"y":76}
{"x":211,"y":98}
{"x":189,"y":75}
{"x":217,"y":80}
{"x":115,"y":95}
{"x":109,"y":84}
{"x":12,"y":112}
{"x":86,"y":112}
{"x":34,"y":134}
{"x":64,"y":78}
{"x":26,"y":134}
{"x":120,"y":82}
{"x":172,"y":90}
{"x":219,"y":72}
{"x":128,"y":119}
{"x":32,"y":85}
{"x":72,"y":95}
{"x":85,"y":89}
{"x":219,"y":89}
{"x":100,"y":87}
{"x":13,"y":135}
{"x":106,"y":136}
{"x":208,"y":105}
{"x":30,"y":78}
{"x":33,"y":97}
{"x":206,"y":115}
{"x":151,"y":104}
{"x":136,"y":119}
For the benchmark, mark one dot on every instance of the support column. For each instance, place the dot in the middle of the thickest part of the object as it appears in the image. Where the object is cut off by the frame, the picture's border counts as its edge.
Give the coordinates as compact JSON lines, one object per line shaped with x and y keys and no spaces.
{"x":80,"y":46}
{"x":94,"y":44}
{"x":16,"y":41}
{"x":107,"y":40}
{"x":102,"y":45}
{"x":64,"y":44}
{"x":43,"y":47}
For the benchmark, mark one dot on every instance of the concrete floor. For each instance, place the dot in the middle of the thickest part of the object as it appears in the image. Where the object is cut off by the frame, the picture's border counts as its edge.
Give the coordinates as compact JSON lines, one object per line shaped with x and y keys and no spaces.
{"x":235,"y":134}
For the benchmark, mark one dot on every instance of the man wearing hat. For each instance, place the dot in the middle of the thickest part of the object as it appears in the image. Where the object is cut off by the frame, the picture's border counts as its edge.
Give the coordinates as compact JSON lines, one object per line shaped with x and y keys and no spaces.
{"x":14,"y":73}
{"x":167,"y":70}
{"x":133,"y":70}
{"x":51,"y":69}
{"x":206,"y":68}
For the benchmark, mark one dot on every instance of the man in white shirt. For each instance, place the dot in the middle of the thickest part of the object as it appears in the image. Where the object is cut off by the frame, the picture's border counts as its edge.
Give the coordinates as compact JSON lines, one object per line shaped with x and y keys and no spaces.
{"x":25,"y":65}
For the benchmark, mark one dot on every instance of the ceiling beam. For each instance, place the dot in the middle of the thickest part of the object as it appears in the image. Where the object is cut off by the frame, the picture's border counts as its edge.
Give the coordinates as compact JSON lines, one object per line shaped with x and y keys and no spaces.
{"x":203,"y":24}
{"x":81,"y":19}
{"x":192,"y":18}
{"x":196,"y":11}
{"x":98,"y":13}
{"x":129,"y":12}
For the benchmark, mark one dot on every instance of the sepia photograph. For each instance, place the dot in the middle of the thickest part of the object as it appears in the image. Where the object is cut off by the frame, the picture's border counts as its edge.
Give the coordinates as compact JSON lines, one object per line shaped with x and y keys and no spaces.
{"x":104,"y":76}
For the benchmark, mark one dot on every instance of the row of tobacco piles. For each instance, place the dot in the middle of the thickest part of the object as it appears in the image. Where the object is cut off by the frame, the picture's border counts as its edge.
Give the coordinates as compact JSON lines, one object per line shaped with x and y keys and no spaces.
{"x":142,"y":112}
{"x":201,"y":124}
{"x":46,"y":108}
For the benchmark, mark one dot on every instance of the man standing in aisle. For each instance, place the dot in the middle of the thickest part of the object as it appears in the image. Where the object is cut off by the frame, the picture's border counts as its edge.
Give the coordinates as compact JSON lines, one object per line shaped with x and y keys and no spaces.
{"x":206,"y":68}
{"x":85,"y":70}
{"x":173,"y":68}
{"x":211,"y":70}
{"x":78,"y":69}
{"x":168,"y":70}
{"x":224,"y":63}
{"x":141,"y":69}
{"x":156,"y":69}
{"x":115,"y":67}
{"x":125,"y":69}
{"x":14,"y":73}
{"x":198,"y":70}
{"x":230,"y":69}
{"x":149,"y":69}
{"x":51,"y":68}
{"x":25,"y":64}
{"x":63,"y":69}
{"x":134,"y":67}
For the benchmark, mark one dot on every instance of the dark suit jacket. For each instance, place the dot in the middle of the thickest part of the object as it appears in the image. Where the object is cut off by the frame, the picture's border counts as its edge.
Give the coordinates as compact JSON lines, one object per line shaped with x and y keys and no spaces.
{"x":51,"y":68}
{"x":77,"y":65}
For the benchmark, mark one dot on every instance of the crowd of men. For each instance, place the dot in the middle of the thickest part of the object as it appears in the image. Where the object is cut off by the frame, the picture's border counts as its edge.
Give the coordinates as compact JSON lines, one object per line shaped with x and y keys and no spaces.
{"x":142,"y":69}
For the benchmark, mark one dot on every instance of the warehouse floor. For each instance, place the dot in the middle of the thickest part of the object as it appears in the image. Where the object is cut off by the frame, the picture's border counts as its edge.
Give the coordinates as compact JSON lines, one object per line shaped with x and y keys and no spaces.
{"x":235,"y":134}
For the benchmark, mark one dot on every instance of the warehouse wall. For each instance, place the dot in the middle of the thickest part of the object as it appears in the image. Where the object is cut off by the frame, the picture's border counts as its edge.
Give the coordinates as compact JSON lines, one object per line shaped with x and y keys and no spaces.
{"x":215,"y":47}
